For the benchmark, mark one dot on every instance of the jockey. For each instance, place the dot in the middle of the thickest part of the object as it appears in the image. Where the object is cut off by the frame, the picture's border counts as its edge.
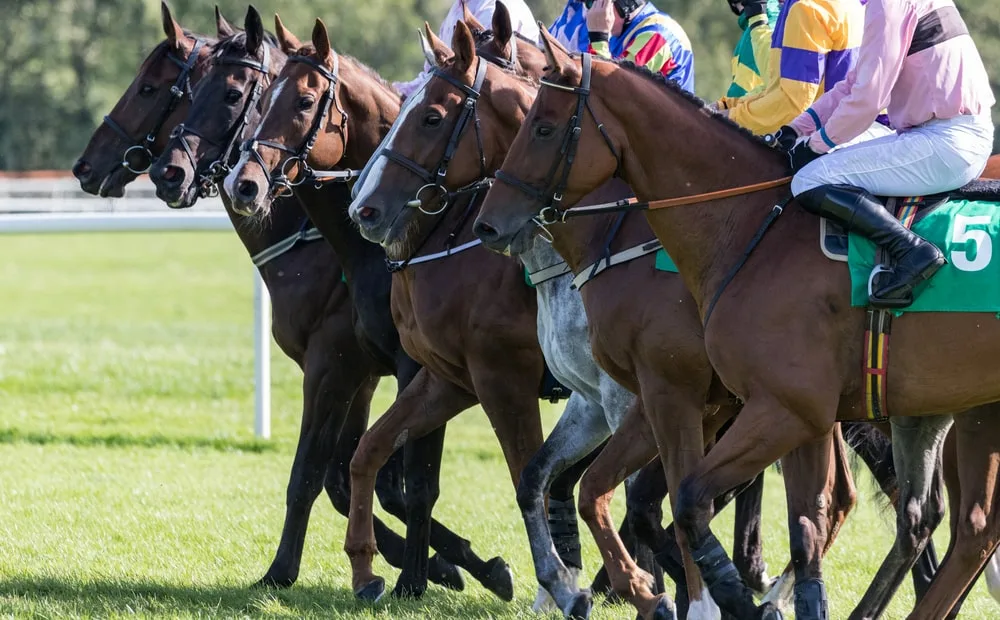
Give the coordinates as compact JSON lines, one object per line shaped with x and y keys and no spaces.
{"x":751,"y":57}
{"x":812,"y":48}
{"x":631,"y":30}
{"x":520,"y":18}
{"x":917,"y":59}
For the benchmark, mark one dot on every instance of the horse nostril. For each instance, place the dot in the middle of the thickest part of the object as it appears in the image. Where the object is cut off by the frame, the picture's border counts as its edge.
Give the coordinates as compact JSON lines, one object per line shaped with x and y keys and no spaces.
{"x":367,"y":213}
{"x":81,"y":169}
{"x":485,"y":232}
{"x":173,"y":175}
{"x":247,"y":190}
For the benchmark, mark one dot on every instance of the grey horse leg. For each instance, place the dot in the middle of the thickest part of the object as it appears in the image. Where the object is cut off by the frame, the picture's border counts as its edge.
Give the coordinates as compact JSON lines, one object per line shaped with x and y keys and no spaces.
{"x":916,"y":451}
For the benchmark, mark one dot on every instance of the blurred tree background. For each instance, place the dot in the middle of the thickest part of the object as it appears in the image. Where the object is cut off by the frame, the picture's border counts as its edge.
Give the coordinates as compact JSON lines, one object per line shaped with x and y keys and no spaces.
{"x":63,"y":63}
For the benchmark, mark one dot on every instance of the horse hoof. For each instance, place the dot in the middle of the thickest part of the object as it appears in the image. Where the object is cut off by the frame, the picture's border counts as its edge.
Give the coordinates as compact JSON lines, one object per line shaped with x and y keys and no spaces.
{"x":372,"y":591}
{"x":499,"y":579}
{"x":770,"y":611}
{"x":406,"y":591}
{"x":579,"y":606}
{"x":664,"y":610}
{"x":267,"y":581}
{"x":444,"y":573}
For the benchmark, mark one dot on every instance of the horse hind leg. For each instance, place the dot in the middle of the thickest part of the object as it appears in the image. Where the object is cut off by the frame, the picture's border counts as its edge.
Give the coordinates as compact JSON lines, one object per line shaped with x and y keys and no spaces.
{"x":916,"y":451}
{"x":977,"y":530}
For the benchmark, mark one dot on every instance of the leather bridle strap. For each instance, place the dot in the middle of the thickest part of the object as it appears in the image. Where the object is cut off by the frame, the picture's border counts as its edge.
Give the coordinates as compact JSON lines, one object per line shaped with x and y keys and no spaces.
{"x":181,"y":87}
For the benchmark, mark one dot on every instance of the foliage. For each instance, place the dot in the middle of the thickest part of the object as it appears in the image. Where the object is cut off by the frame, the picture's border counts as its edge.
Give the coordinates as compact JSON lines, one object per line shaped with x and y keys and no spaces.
{"x":63,"y":63}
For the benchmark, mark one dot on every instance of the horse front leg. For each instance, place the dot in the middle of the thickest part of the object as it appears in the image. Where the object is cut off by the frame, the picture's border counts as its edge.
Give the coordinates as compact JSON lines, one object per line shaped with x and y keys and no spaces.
{"x":426,"y":404}
{"x":916,"y":452}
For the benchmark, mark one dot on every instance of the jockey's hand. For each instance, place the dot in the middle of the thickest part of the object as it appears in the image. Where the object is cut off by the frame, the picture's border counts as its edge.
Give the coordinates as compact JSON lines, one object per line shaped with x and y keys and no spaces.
{"x":801,"y":155}
{"x":783,"y":139}
{"x":601,"y":17}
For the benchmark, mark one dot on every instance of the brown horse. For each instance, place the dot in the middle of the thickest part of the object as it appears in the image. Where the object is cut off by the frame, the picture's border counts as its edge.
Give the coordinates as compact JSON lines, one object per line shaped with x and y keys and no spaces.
{"x":780,"y":330}
{"x":475,"y":345}
{"x":672,"y":374}
{"x":312,"y":315}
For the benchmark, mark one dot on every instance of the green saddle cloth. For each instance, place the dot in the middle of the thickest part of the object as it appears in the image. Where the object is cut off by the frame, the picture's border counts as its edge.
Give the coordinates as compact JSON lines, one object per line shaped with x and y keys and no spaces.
{"x":967,"y":232}
{"x":664,"y":262}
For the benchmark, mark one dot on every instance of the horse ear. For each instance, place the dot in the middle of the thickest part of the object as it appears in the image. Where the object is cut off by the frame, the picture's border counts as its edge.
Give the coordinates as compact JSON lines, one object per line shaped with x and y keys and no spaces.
{"x":321,"y":40}
{"x":222,"y":26}
{"x":438,"y":47}
{"x":465,"y":47}
{"x":175,"y":34}
{"x":425,"y":47}
{"x":470,"y":19}
{"x":288,"y":41}
{"x":503,"y":30}
{"x":254,"y":27}
{"x":556,"y":57}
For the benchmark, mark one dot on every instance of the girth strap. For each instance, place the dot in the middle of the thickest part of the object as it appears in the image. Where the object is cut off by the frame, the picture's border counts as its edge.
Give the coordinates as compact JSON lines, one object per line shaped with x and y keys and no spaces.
{"x":590,"y":272}
{"x":269,"y":254}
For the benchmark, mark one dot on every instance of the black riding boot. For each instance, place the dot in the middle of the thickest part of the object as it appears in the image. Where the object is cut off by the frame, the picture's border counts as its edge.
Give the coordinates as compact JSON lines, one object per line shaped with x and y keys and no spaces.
{"x":858,"y":211}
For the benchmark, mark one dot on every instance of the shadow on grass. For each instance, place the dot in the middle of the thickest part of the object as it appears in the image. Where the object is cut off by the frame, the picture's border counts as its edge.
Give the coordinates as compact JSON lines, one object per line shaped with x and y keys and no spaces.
{"x":53,"y":596}
{"x":117,"y":440}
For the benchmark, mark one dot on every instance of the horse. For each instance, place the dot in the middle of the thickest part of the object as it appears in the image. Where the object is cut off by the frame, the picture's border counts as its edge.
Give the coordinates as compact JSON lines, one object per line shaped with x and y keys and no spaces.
{"x":467,"y":162}
{"x":313,"y":84}
{"x":312,"y":313}
{"x":784,"y":342}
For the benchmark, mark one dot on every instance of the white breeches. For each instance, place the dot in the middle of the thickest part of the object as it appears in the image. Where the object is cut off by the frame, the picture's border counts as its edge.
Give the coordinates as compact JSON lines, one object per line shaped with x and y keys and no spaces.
{"x":938,"y":156}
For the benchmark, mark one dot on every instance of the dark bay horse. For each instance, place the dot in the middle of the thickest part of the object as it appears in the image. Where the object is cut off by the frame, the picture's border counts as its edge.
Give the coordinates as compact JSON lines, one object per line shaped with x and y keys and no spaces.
{"x":782,"y":336}
{"x":315,"y":89}
{"x":312,"y":309}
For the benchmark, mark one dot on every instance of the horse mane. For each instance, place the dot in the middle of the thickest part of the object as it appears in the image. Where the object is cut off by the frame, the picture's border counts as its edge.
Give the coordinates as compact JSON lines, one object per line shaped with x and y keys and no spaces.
{"x":236,"y":45}
{"x":308,"y":49}
{"x":691,"y":98}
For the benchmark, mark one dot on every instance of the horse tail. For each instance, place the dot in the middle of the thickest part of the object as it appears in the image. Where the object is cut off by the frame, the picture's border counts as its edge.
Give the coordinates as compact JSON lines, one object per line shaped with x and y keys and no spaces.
{"x":871,"y":445}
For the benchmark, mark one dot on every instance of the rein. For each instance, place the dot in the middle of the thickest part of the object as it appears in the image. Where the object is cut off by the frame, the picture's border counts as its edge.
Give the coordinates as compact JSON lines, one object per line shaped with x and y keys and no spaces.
{"x":552,"y":212}
{"x":280,"y":183}
{"x":180,"y":88}
{"x":218,"y":169}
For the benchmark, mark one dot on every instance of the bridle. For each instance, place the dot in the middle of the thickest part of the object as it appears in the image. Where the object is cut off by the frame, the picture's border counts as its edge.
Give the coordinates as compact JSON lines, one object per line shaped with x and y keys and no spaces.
{"x":180,"y":88}
{"x":280,"y":183}
{"x":218,"y":169}
{"x":551,"y":195}
{"x":435,"y":180}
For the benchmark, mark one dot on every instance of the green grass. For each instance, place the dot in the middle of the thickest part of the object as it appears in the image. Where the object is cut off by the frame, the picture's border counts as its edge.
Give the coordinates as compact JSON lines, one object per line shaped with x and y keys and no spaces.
{"x":131,"y":483}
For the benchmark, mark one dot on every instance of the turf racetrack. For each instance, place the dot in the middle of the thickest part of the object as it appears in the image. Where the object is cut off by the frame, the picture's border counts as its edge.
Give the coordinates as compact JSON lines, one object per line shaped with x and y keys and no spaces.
{"x":130,"y":481}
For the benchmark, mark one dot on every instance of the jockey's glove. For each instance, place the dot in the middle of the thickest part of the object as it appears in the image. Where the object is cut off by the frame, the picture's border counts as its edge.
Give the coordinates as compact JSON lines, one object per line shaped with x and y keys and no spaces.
{"x":783,"y":139}
{"x":801,"y":155}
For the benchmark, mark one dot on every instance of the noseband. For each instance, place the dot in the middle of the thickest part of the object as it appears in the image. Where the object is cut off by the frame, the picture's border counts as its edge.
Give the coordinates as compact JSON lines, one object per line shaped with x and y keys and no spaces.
{"x":435,"y":180}
{"x":279,"y":181}
{"x":208,"y":182}
{"x":180,"y":88}
{"x":551,"y":195}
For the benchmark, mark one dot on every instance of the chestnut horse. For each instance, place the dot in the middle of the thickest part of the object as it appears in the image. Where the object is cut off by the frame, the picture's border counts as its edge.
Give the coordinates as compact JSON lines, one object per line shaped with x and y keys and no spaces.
{"x":312,"y":315}
{"x":326,"y":110}
{"x":780,"y":330}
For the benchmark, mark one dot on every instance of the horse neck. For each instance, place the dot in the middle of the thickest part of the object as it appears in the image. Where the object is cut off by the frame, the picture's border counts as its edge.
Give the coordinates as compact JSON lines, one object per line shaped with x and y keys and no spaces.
{"x":259,"y":234}
{"x":326,"y":207}
{"x":372,"y":108}
{"x":702,"y":155}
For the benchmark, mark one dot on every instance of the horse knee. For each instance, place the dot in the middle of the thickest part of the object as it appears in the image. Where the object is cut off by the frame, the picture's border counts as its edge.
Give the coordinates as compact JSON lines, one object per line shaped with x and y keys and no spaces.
{"x":591,"y":498}
{"x":973,"y":534}
{"x":339,"y":492}
{"x":644,"y":514}
{"x":917,"y":521}
{"x":804,"y":542}
{"x":692,"y":510}
{"x":530,"y":491}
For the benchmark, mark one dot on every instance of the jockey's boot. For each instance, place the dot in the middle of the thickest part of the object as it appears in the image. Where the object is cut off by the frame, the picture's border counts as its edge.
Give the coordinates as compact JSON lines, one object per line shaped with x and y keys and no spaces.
{"x":858,"y":211}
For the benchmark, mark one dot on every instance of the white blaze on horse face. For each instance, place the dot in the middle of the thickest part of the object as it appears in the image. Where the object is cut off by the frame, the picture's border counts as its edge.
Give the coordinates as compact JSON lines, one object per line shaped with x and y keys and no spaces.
{"x":230,"y":183}
{"x":371,"y":176}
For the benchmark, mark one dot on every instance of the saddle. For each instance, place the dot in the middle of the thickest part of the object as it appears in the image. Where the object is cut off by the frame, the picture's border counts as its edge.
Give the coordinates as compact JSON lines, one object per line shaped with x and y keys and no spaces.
{"x":833,"y":237}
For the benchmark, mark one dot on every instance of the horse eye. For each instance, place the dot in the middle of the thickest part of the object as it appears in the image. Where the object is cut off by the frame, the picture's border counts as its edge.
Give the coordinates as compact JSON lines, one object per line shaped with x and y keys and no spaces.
{"x":233,"y":96}
{"x":305,"y":103}
{"x":146,"y":90}
{"x":544,"y":132}
{"x":432,"y":120}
